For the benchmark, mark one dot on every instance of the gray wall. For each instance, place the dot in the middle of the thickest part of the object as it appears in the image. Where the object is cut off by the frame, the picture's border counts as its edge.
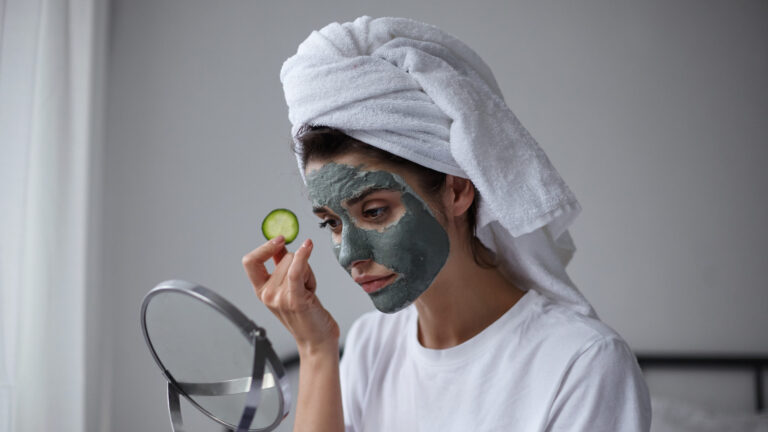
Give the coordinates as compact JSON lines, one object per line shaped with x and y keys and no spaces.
{"x":653,"y":111}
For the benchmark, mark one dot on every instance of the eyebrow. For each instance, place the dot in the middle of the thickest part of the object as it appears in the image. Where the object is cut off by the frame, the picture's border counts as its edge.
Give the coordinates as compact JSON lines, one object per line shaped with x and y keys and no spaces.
{"x":354,"y":200}
{"x":361,"y":196}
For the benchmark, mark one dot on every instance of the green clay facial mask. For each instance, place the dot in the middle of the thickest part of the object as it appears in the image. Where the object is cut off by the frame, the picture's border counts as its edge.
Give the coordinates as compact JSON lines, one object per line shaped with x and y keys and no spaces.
{"x":415,"y":246}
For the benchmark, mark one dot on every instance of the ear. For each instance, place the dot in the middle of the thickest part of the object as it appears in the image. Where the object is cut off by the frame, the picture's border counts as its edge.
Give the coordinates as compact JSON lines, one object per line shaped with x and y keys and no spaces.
{"x":461,"y":193}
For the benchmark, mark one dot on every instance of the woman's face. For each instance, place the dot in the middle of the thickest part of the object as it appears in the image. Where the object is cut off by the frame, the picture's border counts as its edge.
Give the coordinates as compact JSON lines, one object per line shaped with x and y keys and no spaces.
{"x":384,"y":233}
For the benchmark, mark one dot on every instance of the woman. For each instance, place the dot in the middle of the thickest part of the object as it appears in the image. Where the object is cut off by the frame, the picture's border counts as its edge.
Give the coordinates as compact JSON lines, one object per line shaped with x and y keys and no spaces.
{"x":448,"y":214}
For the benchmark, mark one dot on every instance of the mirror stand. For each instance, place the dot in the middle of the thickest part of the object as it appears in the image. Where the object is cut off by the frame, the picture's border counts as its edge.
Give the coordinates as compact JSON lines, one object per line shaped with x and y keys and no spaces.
{"x":266,"y":369}
{"x":252,"y":385}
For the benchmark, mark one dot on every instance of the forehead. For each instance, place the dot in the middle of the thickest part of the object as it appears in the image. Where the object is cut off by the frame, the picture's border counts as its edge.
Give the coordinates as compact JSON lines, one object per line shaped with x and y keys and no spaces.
{"x":354,"y":168}
{"x":355,"y":159}
{"x":347,"y":177}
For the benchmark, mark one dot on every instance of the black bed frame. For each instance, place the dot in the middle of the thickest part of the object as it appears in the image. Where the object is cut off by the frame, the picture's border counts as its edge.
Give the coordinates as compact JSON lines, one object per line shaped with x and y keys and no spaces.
{"x":755,"y":363}
{"x":646,"y":360}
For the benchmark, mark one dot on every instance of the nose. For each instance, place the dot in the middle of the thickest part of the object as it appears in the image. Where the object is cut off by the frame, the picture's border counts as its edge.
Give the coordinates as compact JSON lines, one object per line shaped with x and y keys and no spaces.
{"x":354,"y":247}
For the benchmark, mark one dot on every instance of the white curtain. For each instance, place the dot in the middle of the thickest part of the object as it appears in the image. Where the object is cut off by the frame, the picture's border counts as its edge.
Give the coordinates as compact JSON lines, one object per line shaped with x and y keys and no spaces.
{"x":49,"y":154}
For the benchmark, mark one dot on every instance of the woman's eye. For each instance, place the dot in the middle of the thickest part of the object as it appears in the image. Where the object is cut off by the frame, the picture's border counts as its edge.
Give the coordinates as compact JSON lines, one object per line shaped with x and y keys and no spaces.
{"x":374,"y":212}
{"x":333,"y":223}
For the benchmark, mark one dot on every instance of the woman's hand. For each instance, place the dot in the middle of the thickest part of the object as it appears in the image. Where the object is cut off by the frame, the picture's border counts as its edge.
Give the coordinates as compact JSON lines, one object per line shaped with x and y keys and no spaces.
{"x":289,"y":292}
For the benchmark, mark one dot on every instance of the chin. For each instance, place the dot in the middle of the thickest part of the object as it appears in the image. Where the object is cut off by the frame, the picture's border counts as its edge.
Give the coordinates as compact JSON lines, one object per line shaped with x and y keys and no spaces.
{"x":393,"y":298}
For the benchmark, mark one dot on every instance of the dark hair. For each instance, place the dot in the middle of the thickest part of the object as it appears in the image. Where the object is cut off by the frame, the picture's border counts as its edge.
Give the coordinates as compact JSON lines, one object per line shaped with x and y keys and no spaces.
{"x":323,"y":142}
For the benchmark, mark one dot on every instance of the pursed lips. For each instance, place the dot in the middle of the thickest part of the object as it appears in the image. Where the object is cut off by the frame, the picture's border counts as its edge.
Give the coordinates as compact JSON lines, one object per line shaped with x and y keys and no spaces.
{"x":374,"y":283}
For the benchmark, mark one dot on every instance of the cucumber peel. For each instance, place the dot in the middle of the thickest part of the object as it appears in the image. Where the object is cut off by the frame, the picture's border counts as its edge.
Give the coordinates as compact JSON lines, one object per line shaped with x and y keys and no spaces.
{"x":280,"y":221}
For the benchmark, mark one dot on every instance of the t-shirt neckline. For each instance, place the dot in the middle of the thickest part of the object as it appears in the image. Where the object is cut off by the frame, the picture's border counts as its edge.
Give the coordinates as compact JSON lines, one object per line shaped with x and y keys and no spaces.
{"x":465,"y":351}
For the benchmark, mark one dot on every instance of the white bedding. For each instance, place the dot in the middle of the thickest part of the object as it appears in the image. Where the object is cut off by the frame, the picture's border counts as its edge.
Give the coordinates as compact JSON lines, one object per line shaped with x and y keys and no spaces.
{"x":672,"y":415}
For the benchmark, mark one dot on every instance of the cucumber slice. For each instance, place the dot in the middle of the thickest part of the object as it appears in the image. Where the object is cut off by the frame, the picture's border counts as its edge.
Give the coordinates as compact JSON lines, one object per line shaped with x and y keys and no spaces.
{"x":280,"y":221}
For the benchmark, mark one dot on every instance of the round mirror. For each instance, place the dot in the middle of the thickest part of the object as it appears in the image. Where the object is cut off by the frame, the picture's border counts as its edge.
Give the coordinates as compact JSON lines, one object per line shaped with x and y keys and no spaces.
{"x":214,"y":356}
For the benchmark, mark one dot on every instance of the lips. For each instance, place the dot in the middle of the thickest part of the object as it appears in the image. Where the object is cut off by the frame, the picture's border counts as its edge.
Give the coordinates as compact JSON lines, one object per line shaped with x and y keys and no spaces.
{"x":372,"y":284}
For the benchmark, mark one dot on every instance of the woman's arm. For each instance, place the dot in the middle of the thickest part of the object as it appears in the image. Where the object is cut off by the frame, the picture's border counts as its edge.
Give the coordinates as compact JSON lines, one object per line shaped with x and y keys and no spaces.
{"x":289,"y":293}
{"x":318,"y":407}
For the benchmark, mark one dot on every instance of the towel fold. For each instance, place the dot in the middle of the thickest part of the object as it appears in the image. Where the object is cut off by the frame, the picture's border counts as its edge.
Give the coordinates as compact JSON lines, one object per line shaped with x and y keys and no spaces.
{"x":413,"y":90}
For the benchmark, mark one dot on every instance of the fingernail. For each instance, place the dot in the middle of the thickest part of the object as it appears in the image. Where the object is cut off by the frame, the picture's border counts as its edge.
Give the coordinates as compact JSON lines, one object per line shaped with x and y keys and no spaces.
{"x":307,"y":243}
{"x":277,"y":240}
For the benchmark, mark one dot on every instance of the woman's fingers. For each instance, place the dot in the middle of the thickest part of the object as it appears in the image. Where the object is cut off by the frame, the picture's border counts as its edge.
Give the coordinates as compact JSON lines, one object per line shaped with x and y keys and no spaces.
{"x":280,"y":253}
{"x":311,"y":283}
{"x":253,"y":261}
{"x":299,"y":272}
{"x":272,"y":290}
{"x":281,"y":269}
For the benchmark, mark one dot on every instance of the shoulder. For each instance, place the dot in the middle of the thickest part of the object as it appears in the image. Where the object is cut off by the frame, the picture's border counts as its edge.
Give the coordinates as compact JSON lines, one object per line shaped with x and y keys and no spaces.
{"x":602,"y":388}
{"x":554,"y":341}
{"x":558,"y":326}
{"x":596,"y":377}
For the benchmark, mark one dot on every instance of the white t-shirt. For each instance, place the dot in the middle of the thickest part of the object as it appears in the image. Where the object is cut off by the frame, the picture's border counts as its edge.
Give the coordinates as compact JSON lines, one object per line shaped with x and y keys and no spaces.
{"x":539,"y":367}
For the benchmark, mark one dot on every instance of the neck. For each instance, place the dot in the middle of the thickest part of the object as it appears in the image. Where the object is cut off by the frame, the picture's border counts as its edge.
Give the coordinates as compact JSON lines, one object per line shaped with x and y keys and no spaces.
{"x":462,"y":301}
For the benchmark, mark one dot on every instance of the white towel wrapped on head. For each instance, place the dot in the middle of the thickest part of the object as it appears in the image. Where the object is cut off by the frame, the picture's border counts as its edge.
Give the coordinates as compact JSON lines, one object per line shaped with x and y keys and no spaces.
{"x":411,"y":89}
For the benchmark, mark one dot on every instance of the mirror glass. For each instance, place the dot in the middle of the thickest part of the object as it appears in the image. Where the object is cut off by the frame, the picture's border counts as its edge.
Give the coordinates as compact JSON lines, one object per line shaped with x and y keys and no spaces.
{"x":210,"y":357}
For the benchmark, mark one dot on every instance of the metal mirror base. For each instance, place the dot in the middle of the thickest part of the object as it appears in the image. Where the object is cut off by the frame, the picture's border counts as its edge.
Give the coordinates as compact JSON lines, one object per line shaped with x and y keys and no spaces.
{"x":262,"y":353}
